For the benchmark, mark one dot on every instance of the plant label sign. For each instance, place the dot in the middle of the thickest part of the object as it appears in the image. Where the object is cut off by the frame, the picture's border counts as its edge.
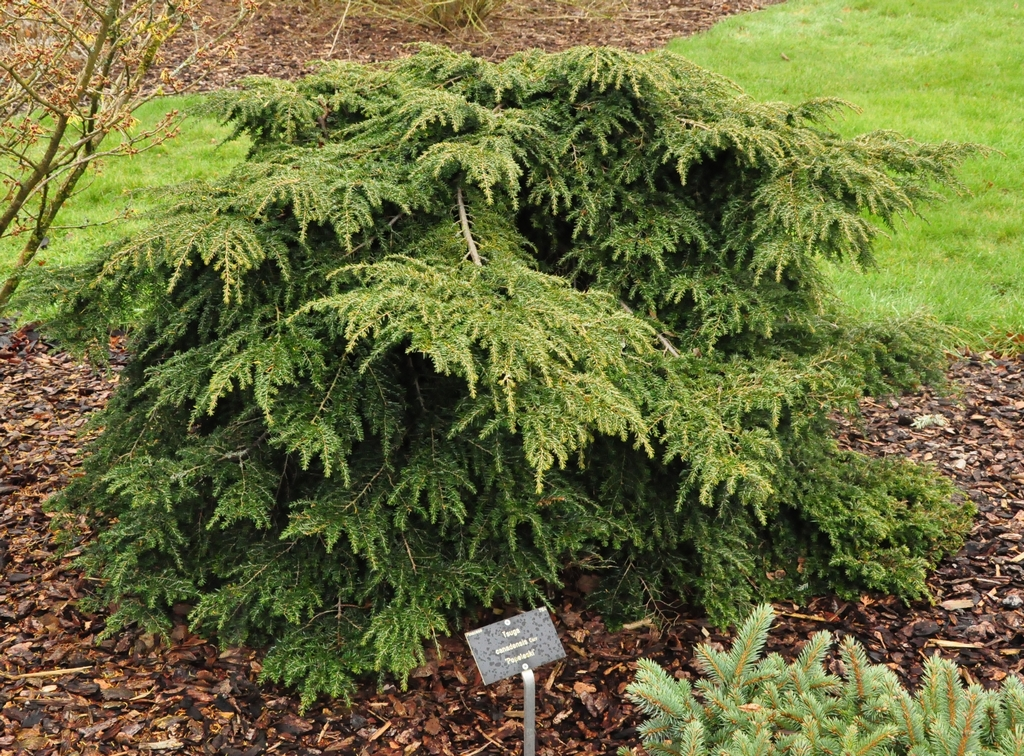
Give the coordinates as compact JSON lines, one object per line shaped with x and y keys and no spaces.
{"x":514,"y":645}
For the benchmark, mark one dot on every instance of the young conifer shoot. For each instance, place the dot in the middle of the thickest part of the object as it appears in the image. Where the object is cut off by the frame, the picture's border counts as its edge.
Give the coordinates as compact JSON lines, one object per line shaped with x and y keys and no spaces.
{"x":455,"y":328}
{"x":754,"y":705}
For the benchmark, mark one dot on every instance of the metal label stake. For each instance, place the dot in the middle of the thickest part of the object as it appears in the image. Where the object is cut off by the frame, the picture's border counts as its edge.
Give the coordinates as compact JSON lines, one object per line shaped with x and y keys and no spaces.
{"x":529,"y":714}
{"x":518,"y":644}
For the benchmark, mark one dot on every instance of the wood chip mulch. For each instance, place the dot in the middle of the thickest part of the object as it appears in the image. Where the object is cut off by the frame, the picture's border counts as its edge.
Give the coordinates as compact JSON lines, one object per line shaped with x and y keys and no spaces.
{"x":62,"y":692}
{"x":285,"y":36}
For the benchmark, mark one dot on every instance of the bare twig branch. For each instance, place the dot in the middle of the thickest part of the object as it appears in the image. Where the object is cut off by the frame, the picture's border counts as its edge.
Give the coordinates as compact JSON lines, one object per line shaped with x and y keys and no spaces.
{"x":244,"y":12}
{"x":48,"y":673}
{"x":415,"y":381}
{"x":120,"y":216}
{"x":474,"y":254}
{"x":661,"y":337}
{"x":73,"y":73}
{"x":645,"y":622}
{"x":358,"y":247}
{"x":341,"y":26}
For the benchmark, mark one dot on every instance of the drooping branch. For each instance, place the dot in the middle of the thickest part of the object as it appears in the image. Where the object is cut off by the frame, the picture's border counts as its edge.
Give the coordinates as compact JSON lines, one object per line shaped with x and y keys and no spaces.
{"x":474,"y":253}
{"x":661,"y":337}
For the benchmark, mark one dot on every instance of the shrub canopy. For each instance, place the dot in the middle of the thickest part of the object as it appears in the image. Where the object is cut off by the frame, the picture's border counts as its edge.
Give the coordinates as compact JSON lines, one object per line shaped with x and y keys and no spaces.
{"x":456,"y":327}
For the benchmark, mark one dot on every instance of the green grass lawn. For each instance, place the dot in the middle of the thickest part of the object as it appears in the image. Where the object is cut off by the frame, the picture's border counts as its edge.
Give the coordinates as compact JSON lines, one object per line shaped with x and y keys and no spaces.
{"x":118,"y":187}
{"x":933,"y":70}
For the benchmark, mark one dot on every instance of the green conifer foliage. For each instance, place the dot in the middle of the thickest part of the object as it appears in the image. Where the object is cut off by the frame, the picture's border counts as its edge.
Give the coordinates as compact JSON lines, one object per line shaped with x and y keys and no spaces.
{"x":456,"y":327}
{"x":752,"y":705}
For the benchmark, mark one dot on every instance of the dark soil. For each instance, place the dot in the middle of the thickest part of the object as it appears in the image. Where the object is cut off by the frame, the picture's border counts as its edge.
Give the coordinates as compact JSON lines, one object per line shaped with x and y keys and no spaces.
{"x":284,"y":37}
{"x":62,"y":692}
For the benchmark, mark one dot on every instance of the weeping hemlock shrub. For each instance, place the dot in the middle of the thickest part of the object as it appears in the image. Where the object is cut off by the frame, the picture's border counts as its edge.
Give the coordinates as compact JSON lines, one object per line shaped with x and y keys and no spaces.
{"x":457,"y":327}
{"x":749,"y":705}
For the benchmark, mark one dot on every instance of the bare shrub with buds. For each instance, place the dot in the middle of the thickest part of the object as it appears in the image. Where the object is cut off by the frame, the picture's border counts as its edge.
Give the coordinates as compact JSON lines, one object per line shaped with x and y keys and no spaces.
{"x":72,"y":74}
